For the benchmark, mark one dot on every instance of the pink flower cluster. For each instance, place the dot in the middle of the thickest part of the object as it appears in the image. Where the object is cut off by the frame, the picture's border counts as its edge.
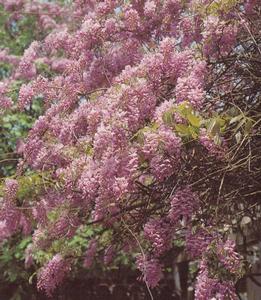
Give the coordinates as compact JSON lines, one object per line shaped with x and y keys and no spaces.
{"x":184,"y":204}
{"x":90,"y":253}
{"x":8,"y":58}
{"x":4,"y":232}
{"x":151,"y":270}
{"x":227,"y":255}
{"x":52,"y":274}
{"x":26,"y":67}
{"x":209,"y":288}
{"x":11,"y":188}
{"x":212,"y":284}
{"x":219,"y":36}
{"x":197,"y":241}
{"x":10,"y":218}
{"x":26,"y":95}
{"x":5,"y":101}
{"x":158,"y":233}
{"x":162,"y":149}
{"x":207,"y":142}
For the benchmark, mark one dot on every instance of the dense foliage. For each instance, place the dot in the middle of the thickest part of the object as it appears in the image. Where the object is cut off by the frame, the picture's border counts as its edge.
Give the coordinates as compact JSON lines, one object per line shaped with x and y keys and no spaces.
{"x":148,"y":145}
{"x":14,"y":125}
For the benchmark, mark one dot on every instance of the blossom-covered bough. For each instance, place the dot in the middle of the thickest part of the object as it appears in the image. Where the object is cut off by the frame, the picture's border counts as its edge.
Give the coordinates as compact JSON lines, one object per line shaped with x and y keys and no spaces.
{"x":149,"y":137}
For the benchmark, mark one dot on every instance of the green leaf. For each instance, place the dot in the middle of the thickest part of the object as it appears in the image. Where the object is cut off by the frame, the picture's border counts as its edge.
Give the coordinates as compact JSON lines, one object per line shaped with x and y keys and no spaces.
{"x":235,"y":119}
{"x":184,"y":109}
{"x":194,"y":120}
{"x":168,"y":117}
{"x":193,"y":132}
{"x":213,"y":127}
{"x":12,"y":276}
{"x":140,"y":137}
{"x":23,"y":244}
{"x":89,"y":150}
{"x":182,"y":129}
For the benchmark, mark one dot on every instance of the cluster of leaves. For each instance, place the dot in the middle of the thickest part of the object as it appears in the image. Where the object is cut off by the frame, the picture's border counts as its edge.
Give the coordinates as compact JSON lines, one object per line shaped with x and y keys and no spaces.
{"x":16,"y":36}
{"x":12,"y":255}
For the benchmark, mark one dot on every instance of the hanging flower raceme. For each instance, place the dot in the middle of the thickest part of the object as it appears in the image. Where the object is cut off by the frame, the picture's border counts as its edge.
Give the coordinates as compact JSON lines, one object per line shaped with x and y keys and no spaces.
{"x":27,"y":68}
{"x":11,"y":189}
{"x":90,"y":253}
{"x":208,"y":287}
{"x":184,"y":204}
{"x":220,"y":267}
{"x":158,"y":232}
{"x":151,"y":270}
{"x":52,"y":274}
{"x":197,"y":241}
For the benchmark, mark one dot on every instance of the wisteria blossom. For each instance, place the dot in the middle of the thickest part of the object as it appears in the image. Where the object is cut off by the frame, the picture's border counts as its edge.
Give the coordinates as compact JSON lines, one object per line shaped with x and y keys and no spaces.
{"x":139,"y":148}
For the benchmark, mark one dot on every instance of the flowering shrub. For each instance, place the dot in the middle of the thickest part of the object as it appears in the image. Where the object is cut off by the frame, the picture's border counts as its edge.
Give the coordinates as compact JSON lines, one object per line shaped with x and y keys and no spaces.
{"x":149,"y":135}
